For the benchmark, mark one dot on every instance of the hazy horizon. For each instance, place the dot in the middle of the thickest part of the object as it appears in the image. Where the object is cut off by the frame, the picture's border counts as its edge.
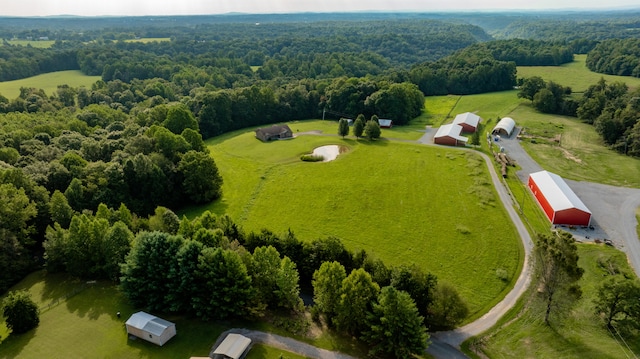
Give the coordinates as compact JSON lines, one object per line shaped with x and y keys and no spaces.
{"x":28,"y":8}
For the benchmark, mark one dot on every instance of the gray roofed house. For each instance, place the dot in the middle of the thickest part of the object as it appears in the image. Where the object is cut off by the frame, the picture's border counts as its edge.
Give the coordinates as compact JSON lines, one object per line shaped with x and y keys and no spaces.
{"x":275,"y":132}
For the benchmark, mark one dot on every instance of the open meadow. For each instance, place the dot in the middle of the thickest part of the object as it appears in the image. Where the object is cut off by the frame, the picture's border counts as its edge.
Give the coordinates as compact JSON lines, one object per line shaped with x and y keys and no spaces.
{"x":574,"y":74}
{"x":402,"y":202}
{"x":48,"y":82}
{"x":44,"y":44}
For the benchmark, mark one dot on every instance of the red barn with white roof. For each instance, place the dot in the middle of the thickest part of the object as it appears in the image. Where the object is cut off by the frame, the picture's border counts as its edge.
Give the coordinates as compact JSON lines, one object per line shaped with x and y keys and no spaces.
{"x":558,"y":201}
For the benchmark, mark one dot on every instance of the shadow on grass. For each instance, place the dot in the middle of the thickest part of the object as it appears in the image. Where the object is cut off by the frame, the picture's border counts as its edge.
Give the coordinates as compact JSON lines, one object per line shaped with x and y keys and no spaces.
{"x":579,"y":348}
{"x":98,"y":299}
{"x":13,"y":345}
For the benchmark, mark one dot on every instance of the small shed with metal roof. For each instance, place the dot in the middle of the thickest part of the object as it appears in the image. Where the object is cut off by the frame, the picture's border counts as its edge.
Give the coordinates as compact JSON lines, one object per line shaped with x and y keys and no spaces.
{"x":150,"y":328}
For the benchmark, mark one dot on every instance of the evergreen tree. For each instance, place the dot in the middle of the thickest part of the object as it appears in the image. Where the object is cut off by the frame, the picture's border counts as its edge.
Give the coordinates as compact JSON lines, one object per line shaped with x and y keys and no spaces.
{"x":327,"y":286}
{"x":358,"y":293}
{"x":395,"y":326}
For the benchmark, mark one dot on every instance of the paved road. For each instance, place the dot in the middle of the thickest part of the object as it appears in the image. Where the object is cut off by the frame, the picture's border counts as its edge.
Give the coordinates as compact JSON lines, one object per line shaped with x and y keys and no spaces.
{"x":613,"y":208}
{"x":613,"y":211}
{"x":446,"y":344}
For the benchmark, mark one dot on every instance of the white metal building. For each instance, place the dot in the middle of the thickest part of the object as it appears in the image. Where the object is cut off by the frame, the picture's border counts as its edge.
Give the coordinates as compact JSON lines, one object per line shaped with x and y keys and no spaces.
{"x":150,"y":328}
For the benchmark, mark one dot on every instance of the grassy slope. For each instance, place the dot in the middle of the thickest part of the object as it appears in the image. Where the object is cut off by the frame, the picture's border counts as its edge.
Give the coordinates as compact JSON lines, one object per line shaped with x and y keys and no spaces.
{"x":48,"y":82}
{"x":580,"y":335}
{"x":402,"y":202}
{"x":146,"y":40}
{"x":574,"y":75}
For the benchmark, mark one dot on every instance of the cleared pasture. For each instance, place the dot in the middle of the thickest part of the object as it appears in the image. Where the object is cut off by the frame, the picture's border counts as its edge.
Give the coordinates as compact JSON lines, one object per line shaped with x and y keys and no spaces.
{"x":580,"y":334}
{"x":146,"y":40}
{"x":48,"y":82}
{"x":574,"y":74}
{"x":44,"y":44}
{"x":401,"y":202}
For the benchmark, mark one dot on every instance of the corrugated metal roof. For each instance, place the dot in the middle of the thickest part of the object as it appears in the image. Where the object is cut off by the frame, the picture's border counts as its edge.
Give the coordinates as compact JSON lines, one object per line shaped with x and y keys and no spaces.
{"x":149,"y":323}
{"x":557,"y":192}
{"x":233,"y":345}
{"x":469,"y":118}
{"x":451,"y":130}
{"x":507,"y":124}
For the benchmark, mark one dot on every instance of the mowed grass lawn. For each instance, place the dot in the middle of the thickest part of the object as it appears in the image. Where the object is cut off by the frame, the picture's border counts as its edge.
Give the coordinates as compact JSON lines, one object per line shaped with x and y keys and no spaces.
{"x":48,"y":82}
{"x":86,"y":325}
{"x":404,"y":203}
{"x":580,"y":334}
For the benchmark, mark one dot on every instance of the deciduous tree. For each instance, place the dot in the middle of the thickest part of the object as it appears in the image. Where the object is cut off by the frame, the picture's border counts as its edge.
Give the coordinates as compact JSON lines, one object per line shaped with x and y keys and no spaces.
{"x":20,"y":312}
{"x":359,"y":292}
{"x":327,"y":287}
{"x":557,"y":269}
{"x":343,"y":127}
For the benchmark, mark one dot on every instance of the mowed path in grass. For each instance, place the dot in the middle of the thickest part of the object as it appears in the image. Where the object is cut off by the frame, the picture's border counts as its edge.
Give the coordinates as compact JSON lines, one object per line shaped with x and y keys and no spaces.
{"x":404,"y":203}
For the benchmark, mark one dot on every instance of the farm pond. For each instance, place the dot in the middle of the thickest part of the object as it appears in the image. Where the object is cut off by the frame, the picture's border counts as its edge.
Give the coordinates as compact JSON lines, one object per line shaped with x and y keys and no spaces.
{"x":329,"y":152}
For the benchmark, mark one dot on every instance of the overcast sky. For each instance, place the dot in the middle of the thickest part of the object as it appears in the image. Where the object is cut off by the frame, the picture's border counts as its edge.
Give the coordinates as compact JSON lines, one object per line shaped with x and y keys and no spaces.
{"x":192,"y":7}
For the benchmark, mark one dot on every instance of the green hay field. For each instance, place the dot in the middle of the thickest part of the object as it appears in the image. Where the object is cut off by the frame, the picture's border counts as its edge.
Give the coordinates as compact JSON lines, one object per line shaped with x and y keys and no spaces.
{"x":48,"y":82}
{"x":402,"y":202}
{"x":44,"y":44}
{"x":146,"y":40}
{"x":574,"y":74}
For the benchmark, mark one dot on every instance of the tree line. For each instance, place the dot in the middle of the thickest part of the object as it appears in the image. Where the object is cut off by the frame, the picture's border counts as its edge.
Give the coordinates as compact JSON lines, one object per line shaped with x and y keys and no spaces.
{"x":610,"y":107}
{"x":209,"y":268}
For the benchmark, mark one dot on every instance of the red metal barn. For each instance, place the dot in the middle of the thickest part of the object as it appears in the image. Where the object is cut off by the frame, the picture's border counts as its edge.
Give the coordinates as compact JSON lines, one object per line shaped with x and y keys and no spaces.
{"x":469,"y":121}
{"x":558,"y":201}
{"x":450,"y":135}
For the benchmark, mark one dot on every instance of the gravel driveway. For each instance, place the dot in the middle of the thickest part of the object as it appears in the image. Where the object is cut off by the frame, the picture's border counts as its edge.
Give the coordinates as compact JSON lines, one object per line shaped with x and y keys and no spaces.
{"x":613,"y":208}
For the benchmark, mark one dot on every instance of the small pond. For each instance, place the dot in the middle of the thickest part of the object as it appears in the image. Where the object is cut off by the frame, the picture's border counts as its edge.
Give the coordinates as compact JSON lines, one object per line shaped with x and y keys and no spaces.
{"x":329,"y":152}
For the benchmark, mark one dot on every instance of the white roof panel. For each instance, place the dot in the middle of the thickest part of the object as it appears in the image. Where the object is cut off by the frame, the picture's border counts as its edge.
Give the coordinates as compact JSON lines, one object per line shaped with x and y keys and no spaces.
{"x":233,"y":345}
{"x":468,"y":118}
{"x":149,"y":323}
{"x":451,"y":130}
{"x":557,"y":192}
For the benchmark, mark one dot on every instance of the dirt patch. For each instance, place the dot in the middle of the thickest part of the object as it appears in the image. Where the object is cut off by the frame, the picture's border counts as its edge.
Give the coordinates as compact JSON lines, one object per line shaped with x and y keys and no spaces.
{"x":569,"y":156}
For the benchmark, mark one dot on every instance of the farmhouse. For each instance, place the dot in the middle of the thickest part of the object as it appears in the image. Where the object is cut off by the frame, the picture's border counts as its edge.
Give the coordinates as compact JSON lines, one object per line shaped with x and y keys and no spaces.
{"x":558,"y":201}
{"x":275,"y":132}
{"x":504,"y":127}
{"x":385,"y":123}
{"x":450,"y":135}
{"x":234,"y":346}
{"x":469,"y":121}
{"x":150,"y":328}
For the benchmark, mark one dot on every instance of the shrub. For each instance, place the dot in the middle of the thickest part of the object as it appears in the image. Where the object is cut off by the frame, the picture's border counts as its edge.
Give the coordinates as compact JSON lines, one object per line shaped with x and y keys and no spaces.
{"x":312,"y":158}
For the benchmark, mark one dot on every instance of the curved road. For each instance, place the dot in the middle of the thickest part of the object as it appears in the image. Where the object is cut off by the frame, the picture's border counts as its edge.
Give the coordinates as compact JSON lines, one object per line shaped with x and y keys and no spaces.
{"x":613,"y":211}
{"x":446,"y":344}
